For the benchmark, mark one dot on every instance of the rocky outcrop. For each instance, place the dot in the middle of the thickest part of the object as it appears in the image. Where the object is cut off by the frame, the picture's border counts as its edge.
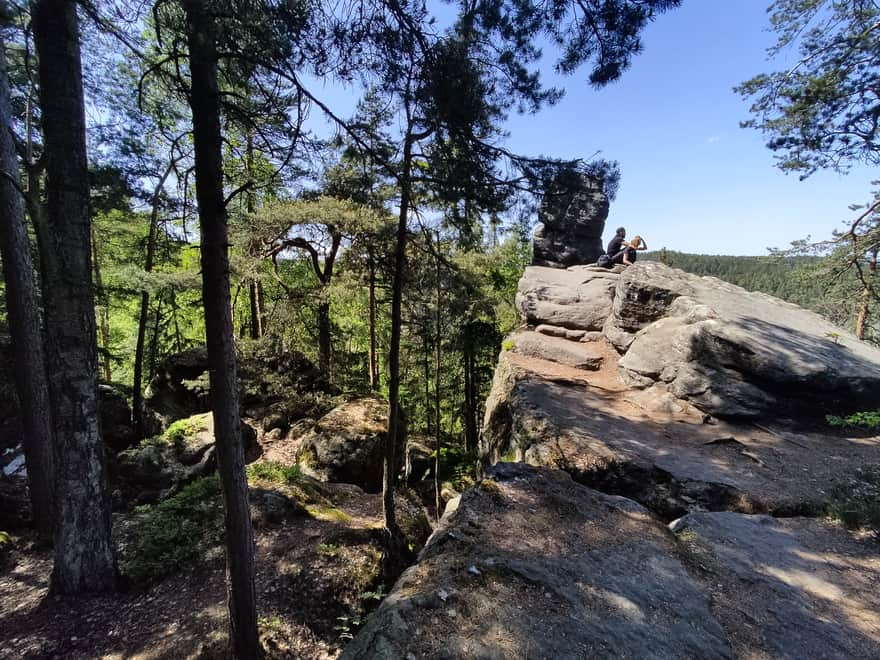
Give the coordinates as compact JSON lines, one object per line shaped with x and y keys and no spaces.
{"x":728,"y":351}
{"x":278,"y":386}
{"x":572,"y":219}
{"x":793,"y":588}
{"x":346,"y":445}
{"x":183,"y":453}
{"x":530,"y":565}
{"x":682,"y":421}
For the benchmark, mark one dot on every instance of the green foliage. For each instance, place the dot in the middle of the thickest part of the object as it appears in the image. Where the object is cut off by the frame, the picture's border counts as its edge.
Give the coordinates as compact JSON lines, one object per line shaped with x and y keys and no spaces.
{"x":821,"y":112}
{"x":865,"y":420}
{"x":856,"y":501}
{"x":274,"y":472}
{"x":178,"y":432}
{"x":175,"y":532}
{"x":367,"y":601}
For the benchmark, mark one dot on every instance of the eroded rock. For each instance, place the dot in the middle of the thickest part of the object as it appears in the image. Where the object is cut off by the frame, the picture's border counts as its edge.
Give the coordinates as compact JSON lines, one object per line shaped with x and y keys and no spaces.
{"x":531,"y":565}
{"x":346,"y":445}
{"x":572,"y":218}
{"x":792,"y":588}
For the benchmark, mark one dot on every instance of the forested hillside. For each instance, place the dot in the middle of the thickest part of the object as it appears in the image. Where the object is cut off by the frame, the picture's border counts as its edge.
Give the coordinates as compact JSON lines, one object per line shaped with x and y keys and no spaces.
{"x":824,"y":284}
{"x":784,"y":277}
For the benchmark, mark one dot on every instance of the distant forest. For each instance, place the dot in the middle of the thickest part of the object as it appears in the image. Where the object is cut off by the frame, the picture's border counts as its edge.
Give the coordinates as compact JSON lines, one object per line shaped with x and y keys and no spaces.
{"x":790,"y":278}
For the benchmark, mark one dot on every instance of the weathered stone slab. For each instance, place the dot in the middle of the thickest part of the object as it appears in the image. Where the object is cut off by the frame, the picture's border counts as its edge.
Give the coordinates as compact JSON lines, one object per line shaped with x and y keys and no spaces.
{"x":643,"y":445}
{"x":556,"y":349}
{"x":577,"y":299}
{"x":787,"y":588}
{"x":532,"y":565}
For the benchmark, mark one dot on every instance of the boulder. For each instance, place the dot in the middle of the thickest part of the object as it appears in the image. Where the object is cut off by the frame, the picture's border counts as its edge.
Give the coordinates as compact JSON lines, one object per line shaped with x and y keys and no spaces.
{"x":528,"y":564}
{"x":419,"y":459}
{"x":183,"y":453}
{"x":737,"y":353}
{"x":572,"y":218}
{"x":656,"y":448}
{"x":786,"y":588}
{"x":556,"y":349}
{"x":277,"y":386}
{"x":346,"y":444}
{"x":180,"y":387}
{"x":576,"y":298}
{"x":728,"y":351}
{"x":116,"y":428}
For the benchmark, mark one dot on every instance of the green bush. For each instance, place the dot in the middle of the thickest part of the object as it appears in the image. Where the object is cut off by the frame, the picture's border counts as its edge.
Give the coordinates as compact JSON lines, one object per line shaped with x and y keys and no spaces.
{"x":856,"y":501}
{"x":274,"y":472}
{"x":869,"y":419}
{"x":175,"y":531}
{"x":177,"y":433}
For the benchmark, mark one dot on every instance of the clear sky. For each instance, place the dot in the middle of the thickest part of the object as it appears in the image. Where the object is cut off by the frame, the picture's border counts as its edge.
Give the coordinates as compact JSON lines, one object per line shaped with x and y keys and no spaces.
{"x":692,"y":179}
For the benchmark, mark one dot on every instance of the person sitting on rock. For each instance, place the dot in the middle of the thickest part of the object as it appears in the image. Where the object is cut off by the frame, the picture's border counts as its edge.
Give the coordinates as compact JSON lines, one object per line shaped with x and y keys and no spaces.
{"x":627,"y":255}
{"x":616,"y":243}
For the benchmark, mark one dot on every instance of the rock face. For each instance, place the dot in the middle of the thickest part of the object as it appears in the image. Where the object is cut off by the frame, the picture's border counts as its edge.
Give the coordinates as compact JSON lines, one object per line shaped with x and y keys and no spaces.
{"x":531,"y":565}
{"x":792,"y":588}
{"x":572,"y":220}
{"x":278,"y":386}
{"x":728,"y":351}
{"x":185,"y":452}
{"x":345,"y":445}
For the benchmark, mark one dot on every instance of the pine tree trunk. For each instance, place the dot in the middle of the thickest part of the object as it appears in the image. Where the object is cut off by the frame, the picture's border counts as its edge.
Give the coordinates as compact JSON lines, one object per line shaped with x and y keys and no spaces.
{"x":102,"y":312}
{"x":205,"y":104}
{"x":137,"y":401}
{"x":324,"y":345}
{"x":256,"y":331}
{"x":22,"y":306}
{"x":437,"y":348}
{"x":84,"y":560}
{"x":373,"y":358}
{"x":261,"y":307}
{"x":388,"y":478}
{"x":864,"y":305}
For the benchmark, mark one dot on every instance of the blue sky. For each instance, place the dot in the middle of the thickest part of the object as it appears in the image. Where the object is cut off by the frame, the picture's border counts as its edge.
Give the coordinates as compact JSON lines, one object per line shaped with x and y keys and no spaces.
{"x":692,"y":179}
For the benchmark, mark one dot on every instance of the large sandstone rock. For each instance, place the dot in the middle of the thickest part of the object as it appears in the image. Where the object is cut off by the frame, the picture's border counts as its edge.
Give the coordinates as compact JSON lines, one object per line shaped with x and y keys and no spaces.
{"x":572,"y":219}
{"x":786,"y":588}
{"x":556,"y":349}
{"x":575,"y":298}
{"x":728,"y":351}
{"x":531,"y":565}
{"x":346,"y":445}
{"x":183,"y":453}
{"x":732,"y":352}
{"x":277,"y":386}
{"x":655,"y":448}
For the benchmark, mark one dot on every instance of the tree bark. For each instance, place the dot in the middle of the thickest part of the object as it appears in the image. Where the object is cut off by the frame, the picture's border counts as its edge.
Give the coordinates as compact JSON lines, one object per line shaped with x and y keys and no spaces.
{"x":84,"y":560}
{"x":864,"y":304}
{"x":137,"y":399}
{"x":324,"y":340}
{"x":437,"y":348}
{"x":102,"y":312}
{"x":373,"y":358}
{"x":22,"y":306}
{"x":205,"y":103}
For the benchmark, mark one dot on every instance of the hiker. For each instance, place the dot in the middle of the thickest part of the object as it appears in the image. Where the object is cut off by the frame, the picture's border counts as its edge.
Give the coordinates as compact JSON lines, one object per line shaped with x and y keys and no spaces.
{"x":627,"y":255}
{"x":616,"y":243}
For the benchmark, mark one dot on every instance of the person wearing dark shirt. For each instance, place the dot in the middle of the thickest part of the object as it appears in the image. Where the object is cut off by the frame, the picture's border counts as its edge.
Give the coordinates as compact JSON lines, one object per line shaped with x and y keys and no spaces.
{"x":616,"y":244}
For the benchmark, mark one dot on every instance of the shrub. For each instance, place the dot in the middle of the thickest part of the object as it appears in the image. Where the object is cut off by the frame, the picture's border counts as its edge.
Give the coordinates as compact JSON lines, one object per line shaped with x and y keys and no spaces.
{"x":175,"y":531}
{"x":274,"y":472}
{"x":869,"y":419}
